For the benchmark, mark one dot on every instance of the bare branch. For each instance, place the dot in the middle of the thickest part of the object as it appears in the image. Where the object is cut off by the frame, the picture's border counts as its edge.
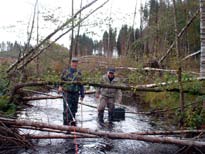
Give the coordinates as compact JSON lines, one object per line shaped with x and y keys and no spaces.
{"x":193,"y":54}
{"x":42,"y":50}
{"x":49,"y":36}
{"x":179,"y":35}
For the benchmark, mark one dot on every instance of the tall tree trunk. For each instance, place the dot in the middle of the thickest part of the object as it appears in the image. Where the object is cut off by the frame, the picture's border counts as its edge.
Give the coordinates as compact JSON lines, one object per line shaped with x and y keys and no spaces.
{"x":72,"y":33}
{"x":156,"y":40}
{"x":202,"y":30}
{"x":186,"y":43}
{"x":179,"y":64}
{"x":133,"y":24}
{"x":78,"y":32}
{"x":37,"y":41}
{"x":109,"y":41}
{"x":140,"y":34}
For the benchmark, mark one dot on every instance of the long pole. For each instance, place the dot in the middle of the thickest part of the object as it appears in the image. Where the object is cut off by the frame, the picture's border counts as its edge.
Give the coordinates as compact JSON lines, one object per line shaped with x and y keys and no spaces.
{"x":81,"y":107}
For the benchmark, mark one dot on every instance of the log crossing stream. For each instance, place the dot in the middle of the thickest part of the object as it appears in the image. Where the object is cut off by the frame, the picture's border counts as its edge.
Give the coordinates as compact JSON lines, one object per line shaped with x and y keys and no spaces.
{"x":50,"y":111}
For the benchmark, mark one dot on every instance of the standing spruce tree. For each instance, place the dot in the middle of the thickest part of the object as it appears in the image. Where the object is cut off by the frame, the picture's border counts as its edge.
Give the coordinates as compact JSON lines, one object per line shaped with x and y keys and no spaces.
{"x":84,"y":45}
{"x":109,"y":42}
{"x":122,"y":40}
{"x":126,"y":38}
{"x":157,"y":29}
{"x":105,"y":42}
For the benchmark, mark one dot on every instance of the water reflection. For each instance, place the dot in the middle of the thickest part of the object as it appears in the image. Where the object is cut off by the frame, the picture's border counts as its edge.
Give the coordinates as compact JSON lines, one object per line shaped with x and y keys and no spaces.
{"x":50,"y":111}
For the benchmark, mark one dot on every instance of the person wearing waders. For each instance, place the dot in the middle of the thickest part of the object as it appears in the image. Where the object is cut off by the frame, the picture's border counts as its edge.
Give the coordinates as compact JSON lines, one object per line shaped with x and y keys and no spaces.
{"x":108,"y":96}
{"x":71,"y":92}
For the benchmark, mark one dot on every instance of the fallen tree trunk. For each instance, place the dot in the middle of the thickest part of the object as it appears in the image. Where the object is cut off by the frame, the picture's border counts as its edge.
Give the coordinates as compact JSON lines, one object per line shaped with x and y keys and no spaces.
{"x":43,"y":49}
{"x":148,"y":69}
{"x":57,"y":136}
{"x":10,"y":137}
{"x":130,"y":136}
{"x":49,"y":36}
{"x":49,"y":96}
{"x":71,"y":133}
{"x":145,"y":88}
{"x":40,"y":98}
{"x":52,"y":97}
{"x":120,"y":105}
{"x":36,"y":92}
{"x":169,"y":132}
{"x":39,"y":129}
{"x":179,"y":35}
{"x":59,"y":97}
{"x":145,"y":69}
{"x":154,"y":70}
{"x":190,"y":55}
{"x":142,"y":88}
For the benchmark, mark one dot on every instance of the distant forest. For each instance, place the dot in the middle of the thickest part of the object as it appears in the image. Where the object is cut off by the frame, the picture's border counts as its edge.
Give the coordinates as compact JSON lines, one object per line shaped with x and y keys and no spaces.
{"x":152,"y":39}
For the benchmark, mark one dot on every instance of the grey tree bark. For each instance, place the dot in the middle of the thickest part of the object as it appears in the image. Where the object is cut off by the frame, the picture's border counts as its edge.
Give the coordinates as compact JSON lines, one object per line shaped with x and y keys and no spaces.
{"x":202,"y":31}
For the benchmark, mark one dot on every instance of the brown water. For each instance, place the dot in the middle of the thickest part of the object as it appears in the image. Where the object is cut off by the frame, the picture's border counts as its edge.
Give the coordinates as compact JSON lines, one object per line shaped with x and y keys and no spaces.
{"x":50,"y":111}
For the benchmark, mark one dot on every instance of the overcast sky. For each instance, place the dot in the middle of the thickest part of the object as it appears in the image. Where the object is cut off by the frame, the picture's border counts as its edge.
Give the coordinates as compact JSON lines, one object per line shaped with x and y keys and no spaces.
{"x":16,"y":15}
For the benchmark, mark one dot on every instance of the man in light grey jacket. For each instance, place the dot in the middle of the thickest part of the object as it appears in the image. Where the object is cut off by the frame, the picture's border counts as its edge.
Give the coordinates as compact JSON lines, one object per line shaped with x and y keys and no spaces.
{"x":108,"y":96}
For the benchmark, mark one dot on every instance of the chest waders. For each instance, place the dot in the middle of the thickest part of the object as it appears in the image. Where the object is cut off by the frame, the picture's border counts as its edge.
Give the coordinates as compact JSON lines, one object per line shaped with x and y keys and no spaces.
{"x":107,"y":100}
{"x":69,"y":114}
{"x":70,"y":101}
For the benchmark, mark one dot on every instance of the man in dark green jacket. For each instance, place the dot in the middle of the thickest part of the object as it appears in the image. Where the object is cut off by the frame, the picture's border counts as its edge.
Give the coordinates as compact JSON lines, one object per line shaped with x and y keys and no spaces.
{"x":71,"y":92}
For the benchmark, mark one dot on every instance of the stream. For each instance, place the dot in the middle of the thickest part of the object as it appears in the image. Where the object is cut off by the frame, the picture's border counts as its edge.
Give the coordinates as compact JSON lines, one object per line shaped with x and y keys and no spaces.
{"x":50,"y":111}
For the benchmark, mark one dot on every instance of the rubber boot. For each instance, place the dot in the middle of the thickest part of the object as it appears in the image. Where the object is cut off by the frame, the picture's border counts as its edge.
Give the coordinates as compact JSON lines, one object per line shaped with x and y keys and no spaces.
{"x":65,"y":120}
{"x":72,"y":123}
{"x":100,"y":117}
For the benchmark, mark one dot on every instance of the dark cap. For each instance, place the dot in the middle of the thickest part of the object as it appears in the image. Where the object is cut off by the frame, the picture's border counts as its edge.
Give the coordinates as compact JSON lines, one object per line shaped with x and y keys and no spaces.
{"x":74,"y":59}
{"x":111,"y":70}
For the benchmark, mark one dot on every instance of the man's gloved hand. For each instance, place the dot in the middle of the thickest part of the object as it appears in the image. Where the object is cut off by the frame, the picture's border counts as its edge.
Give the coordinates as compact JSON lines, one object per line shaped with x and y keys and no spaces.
{"x":97,"y":96}
{"x":60,"y":89}
{"x":81,"y":99}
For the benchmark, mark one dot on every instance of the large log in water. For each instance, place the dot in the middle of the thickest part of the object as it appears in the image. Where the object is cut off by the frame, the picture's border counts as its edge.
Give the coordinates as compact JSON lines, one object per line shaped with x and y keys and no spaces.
{"x":168,"y":132}
{"x":57,"y":136}
{"x":111,"y":135}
